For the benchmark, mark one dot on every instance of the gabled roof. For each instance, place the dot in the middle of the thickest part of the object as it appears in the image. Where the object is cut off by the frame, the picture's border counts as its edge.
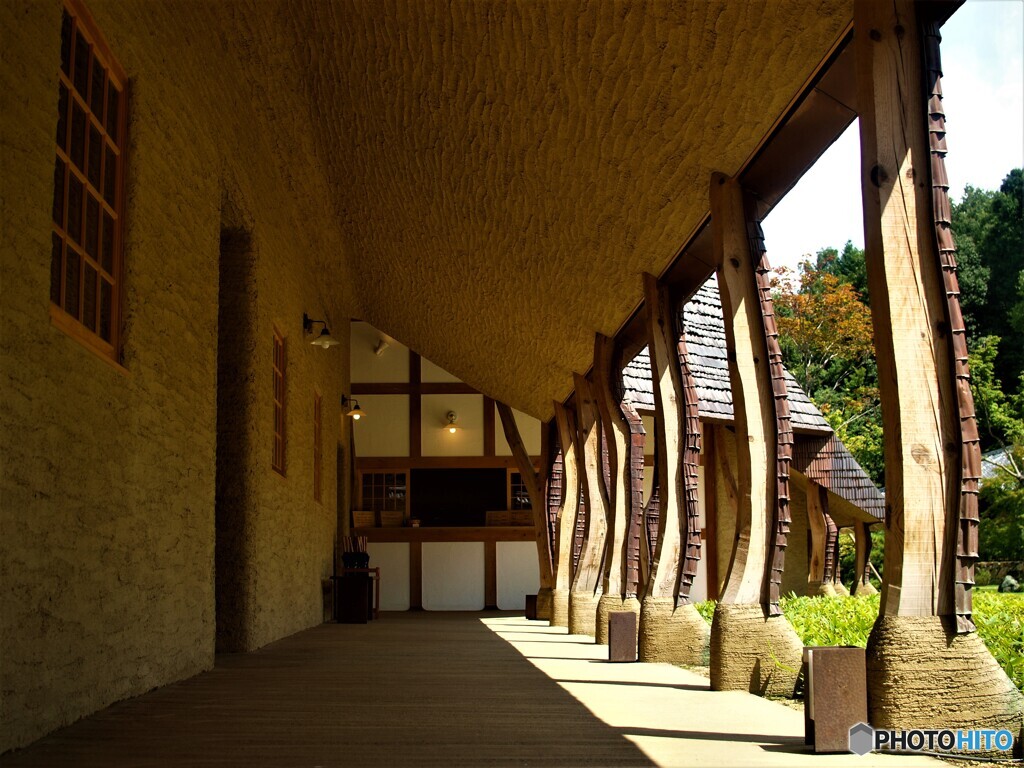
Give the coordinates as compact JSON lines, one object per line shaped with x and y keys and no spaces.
{"x":817,"y":453}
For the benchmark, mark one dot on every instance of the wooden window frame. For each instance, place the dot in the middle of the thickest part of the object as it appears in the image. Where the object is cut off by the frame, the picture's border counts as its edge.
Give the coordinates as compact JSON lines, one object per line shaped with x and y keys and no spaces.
{"x":318,"y":448}
{"x":362,"y":501}
{"x":278,"y":460}
{"x":103,"y":194}
{"x":512,"y":473}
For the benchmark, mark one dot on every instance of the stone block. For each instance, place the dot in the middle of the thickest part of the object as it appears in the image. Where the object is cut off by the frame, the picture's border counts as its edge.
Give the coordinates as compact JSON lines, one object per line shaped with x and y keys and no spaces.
{"x":622,"y":636}
{"x":836,"y":696}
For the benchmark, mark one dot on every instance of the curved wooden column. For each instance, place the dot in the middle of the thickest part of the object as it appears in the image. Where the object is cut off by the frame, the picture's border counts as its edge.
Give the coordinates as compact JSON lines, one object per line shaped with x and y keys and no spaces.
{"x":534,"y":482}
{"x":817,"y":514}
{"x":921,"y":672}
{"x":753,"y":647}
{"x":586,"y":584}
{"x":565,"y":422}
{"x":862,"y":569}
{"x":671,"y":630}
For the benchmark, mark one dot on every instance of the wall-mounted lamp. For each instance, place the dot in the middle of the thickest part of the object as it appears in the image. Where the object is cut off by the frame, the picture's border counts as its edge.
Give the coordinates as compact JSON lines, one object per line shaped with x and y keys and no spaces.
{"x":354,"y":411}
{"x":450,"y":426}
{"x":324,"y":338}
{"x":381,"y":347}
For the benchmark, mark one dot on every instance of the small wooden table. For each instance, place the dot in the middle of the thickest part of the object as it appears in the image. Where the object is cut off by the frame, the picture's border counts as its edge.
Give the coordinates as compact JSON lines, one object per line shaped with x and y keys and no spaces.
{"x":374,"y":579}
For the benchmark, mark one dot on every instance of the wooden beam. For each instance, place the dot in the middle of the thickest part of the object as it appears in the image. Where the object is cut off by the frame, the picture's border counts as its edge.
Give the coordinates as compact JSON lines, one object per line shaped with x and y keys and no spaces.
{"x":489,"y":432}
{"x":711,"y":509}
{"x":635,"y":533}
{"x":910,"y":315}
{"x":669,"y":435}
{"x":588,"y":572}
{"x":862,"y":561}
{"x":750,"y":379}
{"x":490,"y":575}
{"x":816,"y":505}
{"x":534,"y":487}
{"x":565,"y":422}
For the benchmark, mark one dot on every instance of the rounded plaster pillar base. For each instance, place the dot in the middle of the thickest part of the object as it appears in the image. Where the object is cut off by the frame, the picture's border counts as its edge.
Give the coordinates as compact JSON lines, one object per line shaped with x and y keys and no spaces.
{"x":921,"y":674}
{"x":670,"y":634}
{"x":559,"y":607}
{"x":606,"y":605}
{"x":582,"y":613}
{"x":867,"y":588}
{"x":840,"y":588}
{"x":820,"y":589}
{"x":545,"y":602}
{"x":752,"y":653}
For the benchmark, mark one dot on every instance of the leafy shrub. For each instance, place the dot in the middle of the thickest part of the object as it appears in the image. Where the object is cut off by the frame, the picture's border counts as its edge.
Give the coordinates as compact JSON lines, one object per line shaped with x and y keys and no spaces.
{"x":1000,"y":622}
{"x":982,"y":577}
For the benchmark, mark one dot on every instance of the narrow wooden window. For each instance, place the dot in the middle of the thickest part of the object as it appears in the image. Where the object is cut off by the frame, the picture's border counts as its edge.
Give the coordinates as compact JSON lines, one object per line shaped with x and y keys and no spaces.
{"x":277,"y":463}
{"x":383,"y":491}
{"x":88,"y":186}
{"x":317,"y":448}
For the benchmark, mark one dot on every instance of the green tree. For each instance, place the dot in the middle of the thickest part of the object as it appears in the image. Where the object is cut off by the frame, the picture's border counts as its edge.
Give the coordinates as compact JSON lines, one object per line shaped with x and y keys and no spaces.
{"x":847,"y":265}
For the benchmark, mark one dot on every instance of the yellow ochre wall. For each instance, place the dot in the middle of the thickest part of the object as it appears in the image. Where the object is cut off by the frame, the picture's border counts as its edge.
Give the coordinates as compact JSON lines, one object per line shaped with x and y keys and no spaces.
{"x":107,"y":512}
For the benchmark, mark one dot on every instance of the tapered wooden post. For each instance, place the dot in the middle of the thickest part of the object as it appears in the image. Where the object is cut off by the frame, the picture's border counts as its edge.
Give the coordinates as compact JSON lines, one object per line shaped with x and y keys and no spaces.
{"x":752,"y":649}
{"x":608,"y":391}
{"x":817,"y":506}
{"x":669,"y":631}
{"x":832,"y":569}
{"x":565,"y":421}
{"x":586,"y":583}
{"x":920,"y":674}
{"x":862,"y":569}
{"x":534,"y":483}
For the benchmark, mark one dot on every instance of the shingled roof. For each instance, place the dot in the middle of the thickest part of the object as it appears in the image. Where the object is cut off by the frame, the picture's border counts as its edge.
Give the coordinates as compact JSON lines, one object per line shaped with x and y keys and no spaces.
{"x":818,"y":454}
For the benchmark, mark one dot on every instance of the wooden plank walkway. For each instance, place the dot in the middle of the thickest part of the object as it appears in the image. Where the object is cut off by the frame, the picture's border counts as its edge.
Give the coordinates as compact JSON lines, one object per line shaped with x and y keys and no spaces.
{"x":433,"y":689}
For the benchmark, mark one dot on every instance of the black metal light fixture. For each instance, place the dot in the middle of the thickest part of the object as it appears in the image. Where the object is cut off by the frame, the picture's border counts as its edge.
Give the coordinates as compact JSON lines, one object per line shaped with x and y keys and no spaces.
{"x":324,"y":338}
{"x":354,"y":411}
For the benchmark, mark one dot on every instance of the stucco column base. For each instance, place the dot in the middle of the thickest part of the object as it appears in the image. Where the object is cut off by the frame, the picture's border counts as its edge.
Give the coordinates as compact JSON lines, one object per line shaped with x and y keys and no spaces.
{"x":545,"y":601}
{"x":820,"y":588}
{"x":840,"y":588}
{"x":583,"y":613}
{"x":752,"y":653}
{"x":921,"y":674}
{"x":867,"y":588}
{"x":559,"y":607}
{"x":672,"y":635}
{"x":606,"y":605}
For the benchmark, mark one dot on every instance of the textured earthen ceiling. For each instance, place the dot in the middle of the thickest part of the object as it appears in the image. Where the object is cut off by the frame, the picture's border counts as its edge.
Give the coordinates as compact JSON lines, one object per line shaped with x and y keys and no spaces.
{"x":504,"y":173}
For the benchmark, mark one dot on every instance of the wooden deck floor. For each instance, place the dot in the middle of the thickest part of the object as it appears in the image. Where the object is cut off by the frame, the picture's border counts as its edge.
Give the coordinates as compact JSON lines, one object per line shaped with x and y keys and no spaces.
{"x":434,"y":689}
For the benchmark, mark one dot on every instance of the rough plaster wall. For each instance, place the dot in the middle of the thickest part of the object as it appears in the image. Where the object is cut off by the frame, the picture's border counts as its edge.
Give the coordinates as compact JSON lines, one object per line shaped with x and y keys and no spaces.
{"x":107,"y":516}
{"x":517,"y":169}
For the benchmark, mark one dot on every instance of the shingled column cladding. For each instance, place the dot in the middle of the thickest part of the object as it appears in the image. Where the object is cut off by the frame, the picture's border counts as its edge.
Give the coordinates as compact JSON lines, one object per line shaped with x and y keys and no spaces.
{"x":565,"y":421}
{"x":534,"y":482}
{"x":670,"y":631}
{"x":586,"y":583}
{"x":618,"y":438}
{"x":921,"y":672}
{"x":753,"y":647}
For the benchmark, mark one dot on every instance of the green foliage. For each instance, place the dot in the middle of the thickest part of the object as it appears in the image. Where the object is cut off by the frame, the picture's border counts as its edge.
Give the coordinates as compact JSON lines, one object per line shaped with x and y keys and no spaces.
{"x":831,"y":620}
{"x":1000,"y":417}
{"x":706,"y":609}
{"x":848,"y":555}
{"x":1001,"y":531}
{"x":848,"y":266}
{"x":1000,"y":621}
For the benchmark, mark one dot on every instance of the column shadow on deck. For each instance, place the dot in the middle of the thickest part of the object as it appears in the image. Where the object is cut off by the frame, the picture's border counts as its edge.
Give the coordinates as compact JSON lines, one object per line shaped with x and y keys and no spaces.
{"x":409,"y":689}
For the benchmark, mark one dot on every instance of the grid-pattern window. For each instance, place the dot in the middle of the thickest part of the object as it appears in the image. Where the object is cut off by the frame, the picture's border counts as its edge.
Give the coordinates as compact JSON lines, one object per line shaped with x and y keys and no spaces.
{"x":318,"y":450}
{"x":518,"y":497}
{"x":88,"y":186}
{"x":384,"y":491}
{"x":277,"y":463}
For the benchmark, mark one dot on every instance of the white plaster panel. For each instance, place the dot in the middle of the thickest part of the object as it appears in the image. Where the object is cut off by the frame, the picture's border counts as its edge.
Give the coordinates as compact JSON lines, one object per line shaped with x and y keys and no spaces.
{"x":434,"y":373}
{"x":453,"y":576}
{"x":529,"y":430}
{"x":649,"y":434}
{"x":467,"y":441}
{"x":699,"y":588}
{"x":393,"y":561}
{"x":384,"y":430}
{"x":391,"y":366}
{"x":648,"y":482}
{"x":518,"y":574}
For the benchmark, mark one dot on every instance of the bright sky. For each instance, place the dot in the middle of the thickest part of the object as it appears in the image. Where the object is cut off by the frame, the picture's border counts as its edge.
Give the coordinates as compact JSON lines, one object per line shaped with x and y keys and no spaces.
{"x":983,"y":90}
